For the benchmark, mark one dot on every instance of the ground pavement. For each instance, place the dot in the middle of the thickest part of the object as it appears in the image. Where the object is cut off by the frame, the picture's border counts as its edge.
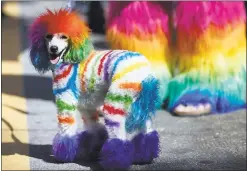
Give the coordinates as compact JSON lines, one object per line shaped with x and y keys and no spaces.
{"x":29,"y":121}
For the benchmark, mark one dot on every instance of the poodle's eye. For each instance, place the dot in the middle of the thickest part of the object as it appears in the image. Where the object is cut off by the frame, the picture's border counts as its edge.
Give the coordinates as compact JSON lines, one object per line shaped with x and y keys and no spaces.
{"x":49,"y":36}
{"x":64,"y":37}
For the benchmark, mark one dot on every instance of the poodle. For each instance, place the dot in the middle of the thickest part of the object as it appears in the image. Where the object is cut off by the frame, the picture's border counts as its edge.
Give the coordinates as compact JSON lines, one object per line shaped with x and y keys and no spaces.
{"x":119,"y":84}
{"x":196,"y":49}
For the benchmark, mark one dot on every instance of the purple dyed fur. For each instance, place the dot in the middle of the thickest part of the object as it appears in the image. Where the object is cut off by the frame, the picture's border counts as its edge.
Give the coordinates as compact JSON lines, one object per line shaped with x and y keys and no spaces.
{"x":64,"y":147}
{"x":116,"y":154}
{"x":107,"y":63}
{"x":62,"y":66}
{"x":146,"y":147}
{"x":91,"y":144}
{"x":110,"y":123}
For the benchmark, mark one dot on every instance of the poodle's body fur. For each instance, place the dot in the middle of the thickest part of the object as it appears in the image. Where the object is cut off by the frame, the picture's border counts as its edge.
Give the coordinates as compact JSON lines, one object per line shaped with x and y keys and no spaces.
{"x":116,"y":83}
{"x":95,"y":85}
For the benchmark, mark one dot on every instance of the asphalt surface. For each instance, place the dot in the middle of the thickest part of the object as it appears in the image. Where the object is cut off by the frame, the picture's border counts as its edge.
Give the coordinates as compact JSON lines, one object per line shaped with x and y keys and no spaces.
{"x":205,"y":143}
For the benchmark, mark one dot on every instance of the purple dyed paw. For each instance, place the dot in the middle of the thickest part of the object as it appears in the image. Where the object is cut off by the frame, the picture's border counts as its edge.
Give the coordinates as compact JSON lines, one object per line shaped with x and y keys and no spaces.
{"x":65,"y":147}
{"x":91,"y":144}
{"x":146,"y":147}
{"x":116,"y":154}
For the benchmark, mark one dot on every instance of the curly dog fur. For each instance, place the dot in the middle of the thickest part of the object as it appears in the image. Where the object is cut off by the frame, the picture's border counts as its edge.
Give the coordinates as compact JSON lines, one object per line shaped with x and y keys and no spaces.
{"x":117,"y":83}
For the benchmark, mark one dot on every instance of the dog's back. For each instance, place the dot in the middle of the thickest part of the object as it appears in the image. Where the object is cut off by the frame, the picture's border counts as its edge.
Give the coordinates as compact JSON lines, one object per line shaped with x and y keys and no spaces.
{"x":115,"y":77}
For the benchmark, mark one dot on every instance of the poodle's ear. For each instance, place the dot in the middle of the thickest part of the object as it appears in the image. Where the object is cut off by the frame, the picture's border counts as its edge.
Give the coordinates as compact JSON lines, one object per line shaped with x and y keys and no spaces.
{"x":78,"y":53}
{"x":39,"y":59}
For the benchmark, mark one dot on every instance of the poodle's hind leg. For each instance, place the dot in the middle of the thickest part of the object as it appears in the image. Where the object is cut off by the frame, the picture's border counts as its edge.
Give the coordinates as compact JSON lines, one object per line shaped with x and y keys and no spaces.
{"x":123,"y":112}
{"x":117,"y":151}
{"x":65,"y":142}
{"x":146,"y":145}
{"x":93,"y":136}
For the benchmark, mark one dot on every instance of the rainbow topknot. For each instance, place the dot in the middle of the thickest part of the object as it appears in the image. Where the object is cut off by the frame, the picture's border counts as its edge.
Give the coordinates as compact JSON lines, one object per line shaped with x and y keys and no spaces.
{"x":60,"y":21}
{"x":212,"y":59}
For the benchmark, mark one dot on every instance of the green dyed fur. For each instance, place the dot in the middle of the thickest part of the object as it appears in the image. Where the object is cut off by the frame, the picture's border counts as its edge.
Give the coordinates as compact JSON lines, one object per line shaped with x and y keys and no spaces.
{"x":77,"y":54}
{"x":127,"y":100}
{"x":233,"y":85}
{"x":64,"y":106}
{"x":92,"y":79}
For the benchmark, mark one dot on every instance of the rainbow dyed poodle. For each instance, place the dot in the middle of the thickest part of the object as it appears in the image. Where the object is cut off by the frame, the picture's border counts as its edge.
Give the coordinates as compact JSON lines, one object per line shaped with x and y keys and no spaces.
{"x":117,"y":83}
{"x":197,"y":50}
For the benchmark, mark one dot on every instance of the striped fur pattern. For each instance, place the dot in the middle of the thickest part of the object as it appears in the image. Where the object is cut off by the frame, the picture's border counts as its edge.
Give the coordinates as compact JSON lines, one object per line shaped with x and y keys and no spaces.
{"x":109,"y":81}
{"x":119,"y":84}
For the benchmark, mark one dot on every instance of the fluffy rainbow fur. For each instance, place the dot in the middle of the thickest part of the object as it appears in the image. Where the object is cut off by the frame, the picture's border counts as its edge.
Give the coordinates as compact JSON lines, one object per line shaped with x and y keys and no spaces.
{"x":212,"y":59}
{"x":142,"y":27}
{"x":117,"y":83}
{"x":209,"y":51}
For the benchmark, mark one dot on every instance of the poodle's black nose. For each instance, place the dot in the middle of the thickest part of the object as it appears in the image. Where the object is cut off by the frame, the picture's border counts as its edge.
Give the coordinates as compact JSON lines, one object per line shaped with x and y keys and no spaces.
{"x":54,"y":49}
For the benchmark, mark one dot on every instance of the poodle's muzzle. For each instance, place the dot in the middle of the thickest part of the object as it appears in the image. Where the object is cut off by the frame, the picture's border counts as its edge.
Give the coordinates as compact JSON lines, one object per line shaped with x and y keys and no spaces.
{"x":56,"y":45}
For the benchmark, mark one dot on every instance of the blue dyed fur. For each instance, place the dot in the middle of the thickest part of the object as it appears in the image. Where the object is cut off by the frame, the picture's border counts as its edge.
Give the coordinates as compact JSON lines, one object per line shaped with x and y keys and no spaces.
{"x":71,"y":85}
{"x":116,"y":154}
{"x":146,"y":147}
{"x":65,"y":148}
{"x":220,"y":102}
{"x":123,"y":57}
{"x":39,"y":58}
{"x":144,"y":106}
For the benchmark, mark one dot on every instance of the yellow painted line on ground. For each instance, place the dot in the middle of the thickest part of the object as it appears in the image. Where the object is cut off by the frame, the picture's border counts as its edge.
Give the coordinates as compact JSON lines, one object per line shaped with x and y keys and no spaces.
{"x":15,"y":149}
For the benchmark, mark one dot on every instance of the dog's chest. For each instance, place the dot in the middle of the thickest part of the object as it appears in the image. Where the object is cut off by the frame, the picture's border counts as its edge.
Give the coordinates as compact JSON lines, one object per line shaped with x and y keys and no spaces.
{"x":66,"y":83}
{"x":79,"y":83}
{"x":93,"y":84}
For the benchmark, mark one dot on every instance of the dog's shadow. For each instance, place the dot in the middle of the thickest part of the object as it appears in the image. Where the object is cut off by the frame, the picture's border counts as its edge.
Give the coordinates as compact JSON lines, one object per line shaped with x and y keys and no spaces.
{"x":38,"y":151}
{"x":42,"y":152}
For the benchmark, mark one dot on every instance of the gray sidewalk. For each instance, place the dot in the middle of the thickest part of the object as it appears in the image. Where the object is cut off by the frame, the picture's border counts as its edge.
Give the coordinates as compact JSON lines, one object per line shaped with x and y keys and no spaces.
{"x":201,"y":143}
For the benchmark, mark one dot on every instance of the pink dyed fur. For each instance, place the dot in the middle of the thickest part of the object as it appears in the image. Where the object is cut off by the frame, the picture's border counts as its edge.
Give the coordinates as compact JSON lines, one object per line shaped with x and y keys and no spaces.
{"x":145,"y":15}
{"x":217,"y":13}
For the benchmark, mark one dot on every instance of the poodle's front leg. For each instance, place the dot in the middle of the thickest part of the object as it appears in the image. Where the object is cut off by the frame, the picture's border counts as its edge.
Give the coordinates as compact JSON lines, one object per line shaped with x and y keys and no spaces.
{"x":66,"y":141}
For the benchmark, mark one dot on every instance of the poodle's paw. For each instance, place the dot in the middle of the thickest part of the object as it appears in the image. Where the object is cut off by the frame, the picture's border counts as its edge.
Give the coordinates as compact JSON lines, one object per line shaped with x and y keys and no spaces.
{"x":187,"y":109}
{"x":116,"y":154}
{"x":146,"y":147}
{"x":91,"y":144}
{"x":65,"y":147}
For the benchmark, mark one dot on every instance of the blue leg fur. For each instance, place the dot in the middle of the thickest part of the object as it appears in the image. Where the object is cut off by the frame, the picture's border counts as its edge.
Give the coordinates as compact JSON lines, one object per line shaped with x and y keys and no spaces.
{"x":65,"y":147}
{"x":146,"y":147}
{"x":116,"y":154}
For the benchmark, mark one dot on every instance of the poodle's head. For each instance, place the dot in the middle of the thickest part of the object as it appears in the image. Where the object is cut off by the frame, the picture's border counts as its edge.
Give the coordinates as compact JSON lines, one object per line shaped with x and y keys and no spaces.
{"x":58,"y":37}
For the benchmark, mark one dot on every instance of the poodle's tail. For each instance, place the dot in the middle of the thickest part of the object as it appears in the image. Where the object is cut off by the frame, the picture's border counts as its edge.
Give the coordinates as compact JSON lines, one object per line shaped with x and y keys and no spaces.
{"x":145,"y":105}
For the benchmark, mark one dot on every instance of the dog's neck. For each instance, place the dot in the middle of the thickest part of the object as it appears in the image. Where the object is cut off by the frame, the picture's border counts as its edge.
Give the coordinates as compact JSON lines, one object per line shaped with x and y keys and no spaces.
{"x":56,"y":69}
{"x":61,"y":69}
